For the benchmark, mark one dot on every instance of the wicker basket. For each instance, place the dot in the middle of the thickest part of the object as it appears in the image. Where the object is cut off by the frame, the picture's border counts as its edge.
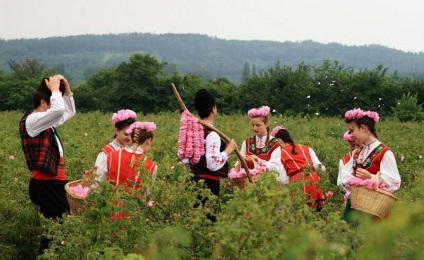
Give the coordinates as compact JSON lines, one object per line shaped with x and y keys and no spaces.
{"x":75,"y":201}
{"x":242,"y":182}
{"x":376,"y":202}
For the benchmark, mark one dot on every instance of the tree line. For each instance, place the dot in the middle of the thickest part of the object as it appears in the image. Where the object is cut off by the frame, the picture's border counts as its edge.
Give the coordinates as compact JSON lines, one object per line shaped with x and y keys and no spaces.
{"x":209,"y":57}
{"x":142,"y":84}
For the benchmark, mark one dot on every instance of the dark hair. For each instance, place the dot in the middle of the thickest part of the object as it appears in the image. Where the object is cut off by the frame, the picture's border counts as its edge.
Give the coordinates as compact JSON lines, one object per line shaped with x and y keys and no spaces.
{"x":204,"y":103}
{"x":121,"y":125}
{"x":367,"y":121}
{"x":37,"y":97}
{"x":284,"y":135}
{"x":44,"y":89}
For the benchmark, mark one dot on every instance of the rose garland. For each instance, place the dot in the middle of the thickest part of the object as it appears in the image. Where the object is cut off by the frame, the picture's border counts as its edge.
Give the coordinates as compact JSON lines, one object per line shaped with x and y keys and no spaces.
{"x":147,"y":126}
{"x":358,"y":113}
{"x":256,"y":112}
{"x":275,"y":130}
{"x":348,"y":137}
{"x":122,"y":115}
{"x":191,"y":142}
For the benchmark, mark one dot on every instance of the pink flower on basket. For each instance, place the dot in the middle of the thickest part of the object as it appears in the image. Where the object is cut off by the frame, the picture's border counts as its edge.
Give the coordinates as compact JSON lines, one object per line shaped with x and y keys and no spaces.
{"x":233,"y":174}
{"x":80,"y":190}
{"x":150,"y":203}
{"x":368,"y":183}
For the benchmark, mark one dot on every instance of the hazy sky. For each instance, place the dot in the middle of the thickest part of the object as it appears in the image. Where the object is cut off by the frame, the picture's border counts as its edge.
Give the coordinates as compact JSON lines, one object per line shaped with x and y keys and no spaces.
{"x":391,"y":23}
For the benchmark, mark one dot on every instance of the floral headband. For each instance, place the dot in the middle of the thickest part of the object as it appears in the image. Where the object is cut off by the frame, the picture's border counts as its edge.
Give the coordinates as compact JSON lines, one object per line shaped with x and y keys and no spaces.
{"x":256,"y":112}
{"x":122,"y":115}
{"x":275,"y":130}
{"x":348,"y":137}
{"x":147,"y":126}
{"x":358,"y":113}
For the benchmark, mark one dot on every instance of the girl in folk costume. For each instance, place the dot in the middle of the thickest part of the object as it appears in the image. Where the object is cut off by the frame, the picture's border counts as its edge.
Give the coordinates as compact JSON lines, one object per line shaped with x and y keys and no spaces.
{"x":345,"y":165}
{"x":300,"y":163}
{"x":123,"y":165}
{"x":373,"y":156}
{"x":122,"y":120}
{"x":262,"y":148}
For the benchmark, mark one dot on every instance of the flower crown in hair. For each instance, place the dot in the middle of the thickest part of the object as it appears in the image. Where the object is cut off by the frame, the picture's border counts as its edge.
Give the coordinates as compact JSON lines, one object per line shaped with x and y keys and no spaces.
{"x":146,"y":126}
{"x":275,"y":130}
{"x":358,"y":113}
{"x":122,"y":115}
{"x":348,"y":137}
{"x":256,"y":112}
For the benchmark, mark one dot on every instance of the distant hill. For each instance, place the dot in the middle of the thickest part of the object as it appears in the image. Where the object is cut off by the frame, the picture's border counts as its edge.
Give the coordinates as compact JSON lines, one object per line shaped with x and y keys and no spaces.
{"x":211,"y":57}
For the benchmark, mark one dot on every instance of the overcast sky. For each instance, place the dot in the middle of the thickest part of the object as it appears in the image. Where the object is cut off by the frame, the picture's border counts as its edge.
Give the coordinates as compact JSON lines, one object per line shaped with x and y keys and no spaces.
{"x":391,"y":23}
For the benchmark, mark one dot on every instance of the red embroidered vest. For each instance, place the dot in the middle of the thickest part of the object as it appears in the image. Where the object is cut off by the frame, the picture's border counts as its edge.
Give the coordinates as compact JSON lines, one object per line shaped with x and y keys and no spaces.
{"x":372,"y":163}
{"x":263,"y":153}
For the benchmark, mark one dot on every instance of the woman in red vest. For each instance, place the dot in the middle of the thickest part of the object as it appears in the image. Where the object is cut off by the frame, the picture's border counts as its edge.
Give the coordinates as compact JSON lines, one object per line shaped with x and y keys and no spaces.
{"x":373,"y":156}
{"x":300,"y":163}
{"x":124,"y":165}
{"x":262,"y":148}
{"x":122,"y":119}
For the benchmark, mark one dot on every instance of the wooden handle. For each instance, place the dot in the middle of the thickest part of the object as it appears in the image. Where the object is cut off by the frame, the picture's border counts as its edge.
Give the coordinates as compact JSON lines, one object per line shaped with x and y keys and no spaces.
{"x":221,"y":134}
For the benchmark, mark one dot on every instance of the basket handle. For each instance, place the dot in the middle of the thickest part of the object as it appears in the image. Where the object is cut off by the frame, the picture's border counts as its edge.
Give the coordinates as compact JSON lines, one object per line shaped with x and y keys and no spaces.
{"x":88,"y":175}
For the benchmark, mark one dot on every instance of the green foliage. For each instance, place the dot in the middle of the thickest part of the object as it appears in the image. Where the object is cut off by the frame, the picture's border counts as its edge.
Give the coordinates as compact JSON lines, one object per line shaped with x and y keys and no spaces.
{"x":408,"y":109}
{"x":264,"y":221}
{"x":209,"y":57}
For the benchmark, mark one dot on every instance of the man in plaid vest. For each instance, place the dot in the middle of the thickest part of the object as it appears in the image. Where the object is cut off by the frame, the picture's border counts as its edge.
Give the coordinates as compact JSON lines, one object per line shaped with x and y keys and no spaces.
{"x":53,"y":104}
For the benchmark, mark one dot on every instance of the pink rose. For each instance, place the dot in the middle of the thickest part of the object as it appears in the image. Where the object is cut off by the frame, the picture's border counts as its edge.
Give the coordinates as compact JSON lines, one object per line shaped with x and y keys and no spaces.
{"x":11,"y":157}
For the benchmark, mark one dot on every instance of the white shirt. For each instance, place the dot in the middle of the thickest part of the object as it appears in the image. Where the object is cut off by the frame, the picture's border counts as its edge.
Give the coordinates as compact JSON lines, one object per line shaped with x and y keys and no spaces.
{"x":215,"y":159}
{"x":389,"y":173}
{"x":61,"y":109}
{"x":274,"y":163}
{"x":345,"y":170}
{"x":101,"y":162}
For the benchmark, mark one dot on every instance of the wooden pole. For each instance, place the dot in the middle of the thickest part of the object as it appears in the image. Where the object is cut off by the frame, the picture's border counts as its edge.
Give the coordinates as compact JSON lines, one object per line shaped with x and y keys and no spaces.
{"x":221,"y":134}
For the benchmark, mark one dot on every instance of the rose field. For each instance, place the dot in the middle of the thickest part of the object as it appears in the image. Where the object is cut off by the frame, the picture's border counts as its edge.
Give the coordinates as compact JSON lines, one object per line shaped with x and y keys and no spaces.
{"x":264,"y":221}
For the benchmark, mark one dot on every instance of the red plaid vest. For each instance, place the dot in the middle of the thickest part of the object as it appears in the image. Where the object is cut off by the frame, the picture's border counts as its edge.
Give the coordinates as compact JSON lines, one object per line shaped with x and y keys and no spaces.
{"x":41,"y":152}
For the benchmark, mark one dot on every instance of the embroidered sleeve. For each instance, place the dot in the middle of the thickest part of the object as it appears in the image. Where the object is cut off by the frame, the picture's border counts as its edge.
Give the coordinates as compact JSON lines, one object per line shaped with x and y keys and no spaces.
{"x":214,"y":158}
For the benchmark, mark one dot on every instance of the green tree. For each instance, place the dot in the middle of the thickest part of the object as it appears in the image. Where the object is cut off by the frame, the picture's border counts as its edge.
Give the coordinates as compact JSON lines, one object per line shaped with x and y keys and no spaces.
{"x":27,"y":68}
{"x":246,"y":72}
